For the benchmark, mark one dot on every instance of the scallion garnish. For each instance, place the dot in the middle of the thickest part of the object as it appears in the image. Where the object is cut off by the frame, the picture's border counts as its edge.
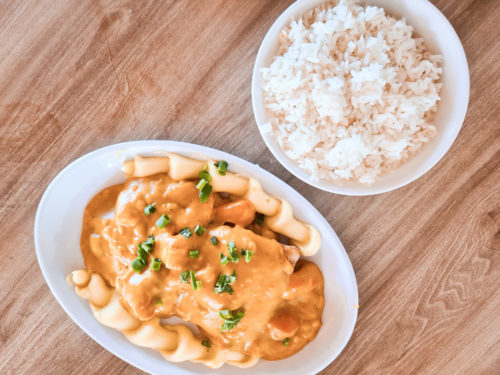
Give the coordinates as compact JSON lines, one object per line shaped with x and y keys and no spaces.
{"x":194,"y":253}
{"x":151,"y":239}
{"x":149,"y":209}
{"x":155,"y":264}
{"x":206,"y":343}
{"x":162,"y":221}
{"x":184,"y":277}
{"x":247,"y":254}
{"x":159,"y":302}
{"x":148,"y":244}
{"x":286,"y":341}
{"x":186,"y":232}
{"x":224,"y":259}
{"x":145,"y":247}
{"x":142,"y":252}
{"x":233,"y":252}
{"x":222,"y":167}
{"x":138,"y":264}
{"x":205,"y":193}
{"x":204,"y":175}
{"x":196,"y":284}
{"x":199,"y":230}
{"x":223,"y":283}
{"x":214,"y":240}
{"x":201,"y":184}
{"x":230,"y":318}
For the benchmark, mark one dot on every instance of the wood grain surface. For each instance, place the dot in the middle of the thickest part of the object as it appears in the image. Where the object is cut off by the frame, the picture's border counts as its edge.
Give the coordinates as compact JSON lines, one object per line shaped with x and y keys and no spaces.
{"x":77,"y":75}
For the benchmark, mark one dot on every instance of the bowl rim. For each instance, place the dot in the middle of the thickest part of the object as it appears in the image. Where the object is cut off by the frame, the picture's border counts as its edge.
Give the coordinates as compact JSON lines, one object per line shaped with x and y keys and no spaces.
{"x":460,"y":105}
{"x":194,"y":150}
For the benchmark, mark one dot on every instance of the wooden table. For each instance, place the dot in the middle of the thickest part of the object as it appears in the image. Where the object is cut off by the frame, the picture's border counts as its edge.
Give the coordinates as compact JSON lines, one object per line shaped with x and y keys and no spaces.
{"x":77,"y":75}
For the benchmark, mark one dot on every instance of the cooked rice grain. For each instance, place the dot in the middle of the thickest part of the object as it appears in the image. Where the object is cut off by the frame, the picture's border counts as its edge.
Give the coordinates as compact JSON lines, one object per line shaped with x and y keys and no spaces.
{"x":351,"y":94}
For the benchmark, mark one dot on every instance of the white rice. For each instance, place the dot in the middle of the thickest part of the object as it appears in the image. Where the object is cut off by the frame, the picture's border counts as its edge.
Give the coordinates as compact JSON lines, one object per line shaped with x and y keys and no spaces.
{"x":351,"y":94}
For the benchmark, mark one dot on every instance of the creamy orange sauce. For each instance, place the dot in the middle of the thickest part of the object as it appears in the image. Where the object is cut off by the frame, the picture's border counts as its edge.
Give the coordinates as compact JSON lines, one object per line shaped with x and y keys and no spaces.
{"x":279,"y":300}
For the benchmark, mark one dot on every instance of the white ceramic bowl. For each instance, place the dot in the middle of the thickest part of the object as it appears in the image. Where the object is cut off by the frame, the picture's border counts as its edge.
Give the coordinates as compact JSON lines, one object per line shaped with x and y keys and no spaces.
{"x":57,"y":240}
{"x":439,"y":36}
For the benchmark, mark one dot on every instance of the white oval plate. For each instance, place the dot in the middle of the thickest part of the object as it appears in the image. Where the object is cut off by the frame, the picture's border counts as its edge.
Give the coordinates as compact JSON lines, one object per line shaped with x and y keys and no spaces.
{"x":57,"y":240}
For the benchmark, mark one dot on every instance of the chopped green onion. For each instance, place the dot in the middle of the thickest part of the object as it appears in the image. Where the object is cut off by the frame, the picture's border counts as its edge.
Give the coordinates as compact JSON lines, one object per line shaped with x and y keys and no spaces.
{"x":230,"y":318}
{"x":186,"y":232}
{"x":233,"y":252}
{"x":138,"y":264}
{"x":204,"y":175}
{"x":286,"y":341}
{"x":205,"y":192}
{"x":224,"y":259}
{"x":201,"y":184}
{"x":162,"y":221}
{"x":205,"y":167}
{"x":149,"y":209}
{"x":199,"y":230}
{"x":259,"y":219}
{"x":184,"y":277}
{"x":145,"y":247}
{"x":155,"y":264}
{"x":196,"y":284}
{"x":223,"y":283}
{"x":214,"y":240}
{"x":222,"y":167}
{"x":194,"y":253}
{"x":142,"y":252}
{"x":151,"y":239}
{"x":247,"y":254}
{"x":148,"y":244}
{"x":159,"y":302}
{"x":206,"y":343}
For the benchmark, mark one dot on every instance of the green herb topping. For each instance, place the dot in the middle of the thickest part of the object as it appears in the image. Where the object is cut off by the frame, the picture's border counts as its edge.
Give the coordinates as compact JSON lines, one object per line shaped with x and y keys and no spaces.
{"x":138,"y":264}
{"x":230,"y":318}
{"x":224,"y":259}
{"x":199,"y":230}
{"x":196,"y":284}
{"x":149,"y":209}
{"x":233,"y":252}
{"x":142,"y":253}
{"x":205,"y":192}
{"x":203,"y":185}
{"x":186,"y":232}
{"x":223,"y":284}
{"x":148,"y":244}
{"x":143,"y":248}
{"x":184,"y":277}
{"x":247,"y":254}
{"x":155,"y":264}
{"x":214,"y":241}
{"x":162,"y":221}
{"x":194,"y":253}
{"x":204,"y":175}
{"x":286,"y":341}
{"x":222,"y":167}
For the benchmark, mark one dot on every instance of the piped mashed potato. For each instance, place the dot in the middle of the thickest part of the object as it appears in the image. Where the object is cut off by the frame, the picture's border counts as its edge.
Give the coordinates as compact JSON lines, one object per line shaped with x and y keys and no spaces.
{"x":351,"y":94}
